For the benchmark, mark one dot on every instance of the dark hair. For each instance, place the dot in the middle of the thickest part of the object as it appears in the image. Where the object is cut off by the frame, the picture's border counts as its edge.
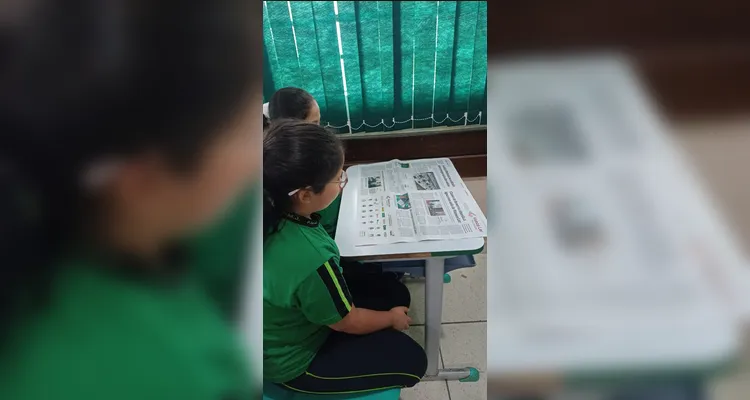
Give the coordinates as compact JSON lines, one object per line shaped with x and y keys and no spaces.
{"x":266,"y":122}
{"x":290,"y":102}
{"x":296,"y":154}
{"x":83,"y":80}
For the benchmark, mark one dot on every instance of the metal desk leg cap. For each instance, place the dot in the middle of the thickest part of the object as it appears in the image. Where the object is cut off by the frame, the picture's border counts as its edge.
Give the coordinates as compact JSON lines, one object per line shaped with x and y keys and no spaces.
{"x":473,"y":376}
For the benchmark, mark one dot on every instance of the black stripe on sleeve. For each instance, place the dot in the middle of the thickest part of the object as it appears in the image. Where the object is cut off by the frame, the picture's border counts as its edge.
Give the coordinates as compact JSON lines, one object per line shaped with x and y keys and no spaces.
{"x":339,"y":293}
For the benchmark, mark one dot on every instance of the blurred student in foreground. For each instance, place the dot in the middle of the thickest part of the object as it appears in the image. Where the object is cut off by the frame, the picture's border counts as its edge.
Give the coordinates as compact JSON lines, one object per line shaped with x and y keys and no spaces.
{"x":129,"y":137}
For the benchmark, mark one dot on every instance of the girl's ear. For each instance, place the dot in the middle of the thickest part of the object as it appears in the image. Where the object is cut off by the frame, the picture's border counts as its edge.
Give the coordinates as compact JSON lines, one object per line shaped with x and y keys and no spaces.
{"x":305,"y":196}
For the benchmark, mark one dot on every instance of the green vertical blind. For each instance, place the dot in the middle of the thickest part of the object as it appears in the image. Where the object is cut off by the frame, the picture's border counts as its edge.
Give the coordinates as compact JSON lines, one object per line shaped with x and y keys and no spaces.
{"x":381,"y":65}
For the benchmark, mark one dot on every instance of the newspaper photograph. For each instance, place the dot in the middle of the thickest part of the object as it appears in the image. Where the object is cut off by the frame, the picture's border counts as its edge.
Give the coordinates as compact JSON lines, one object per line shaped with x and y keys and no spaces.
{"x":416,"y":200}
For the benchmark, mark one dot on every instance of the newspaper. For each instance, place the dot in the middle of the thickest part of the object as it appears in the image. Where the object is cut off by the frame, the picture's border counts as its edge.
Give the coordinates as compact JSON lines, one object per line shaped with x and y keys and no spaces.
{"x":409,"y":201}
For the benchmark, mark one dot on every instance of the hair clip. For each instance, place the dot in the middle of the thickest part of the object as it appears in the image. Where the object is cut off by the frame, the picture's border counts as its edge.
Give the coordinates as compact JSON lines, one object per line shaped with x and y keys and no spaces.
{"x":293,"y":192}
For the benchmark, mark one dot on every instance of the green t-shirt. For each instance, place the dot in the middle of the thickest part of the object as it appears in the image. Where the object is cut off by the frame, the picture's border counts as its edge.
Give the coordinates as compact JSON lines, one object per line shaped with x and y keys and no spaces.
{"x":219,"y":254}
{"x":112,"y":333}
{"x":303,"y":293}
{"x":329,"y":216}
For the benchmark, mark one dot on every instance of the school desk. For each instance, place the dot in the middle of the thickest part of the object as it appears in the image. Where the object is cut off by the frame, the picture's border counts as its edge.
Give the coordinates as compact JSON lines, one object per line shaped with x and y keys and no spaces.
{"x":654,"y":291}
{"x":434,"y":252}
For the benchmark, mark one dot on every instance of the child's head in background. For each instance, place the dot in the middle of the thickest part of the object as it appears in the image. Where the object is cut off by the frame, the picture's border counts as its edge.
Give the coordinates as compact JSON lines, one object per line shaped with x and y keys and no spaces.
{"x":302,"y":170}
{"x":293,"y":103}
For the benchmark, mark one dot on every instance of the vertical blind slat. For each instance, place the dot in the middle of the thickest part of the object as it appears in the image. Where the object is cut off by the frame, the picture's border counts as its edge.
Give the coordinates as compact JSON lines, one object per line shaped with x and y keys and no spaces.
{"x":446,"y":39}
{"x":270,"y":74}
{"x":387,"y":71}
{"x":424,"y":61}
{"x":479,"y":69}
{"x":404,"y":63}
{"x":328,"y":56}
{"x":311,"y":74}
{"x":464,"y":55}
{"x":269,"y":86}
{"x":373,"y":100}
{"x":287,"y":65}
{"x":348,"y":24}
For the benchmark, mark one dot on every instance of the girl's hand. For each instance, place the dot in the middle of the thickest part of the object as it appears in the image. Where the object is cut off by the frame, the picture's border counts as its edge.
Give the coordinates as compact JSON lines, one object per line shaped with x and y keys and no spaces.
{"x":400,"y":320}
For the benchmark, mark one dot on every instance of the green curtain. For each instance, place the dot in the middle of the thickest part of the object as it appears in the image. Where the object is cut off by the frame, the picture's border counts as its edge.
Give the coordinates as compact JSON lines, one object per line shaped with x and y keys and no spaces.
{"x":388,"y":66}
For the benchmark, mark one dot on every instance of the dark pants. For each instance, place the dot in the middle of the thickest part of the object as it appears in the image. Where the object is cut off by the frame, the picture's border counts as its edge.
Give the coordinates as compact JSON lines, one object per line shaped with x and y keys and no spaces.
{"x":359,"y":363}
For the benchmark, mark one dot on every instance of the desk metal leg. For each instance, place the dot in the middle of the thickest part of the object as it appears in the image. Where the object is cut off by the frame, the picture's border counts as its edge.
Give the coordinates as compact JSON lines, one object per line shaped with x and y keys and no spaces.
{"x":434,"y":270}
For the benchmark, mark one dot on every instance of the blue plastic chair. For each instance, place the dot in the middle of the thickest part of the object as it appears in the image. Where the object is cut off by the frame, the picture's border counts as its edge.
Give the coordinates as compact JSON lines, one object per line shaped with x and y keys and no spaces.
{"x":274,"y":392}
{"x":416,"y":268}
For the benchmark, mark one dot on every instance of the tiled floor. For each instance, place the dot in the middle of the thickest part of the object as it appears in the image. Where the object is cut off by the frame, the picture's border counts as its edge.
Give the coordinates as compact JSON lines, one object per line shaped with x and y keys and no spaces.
{"x":464,"y":336}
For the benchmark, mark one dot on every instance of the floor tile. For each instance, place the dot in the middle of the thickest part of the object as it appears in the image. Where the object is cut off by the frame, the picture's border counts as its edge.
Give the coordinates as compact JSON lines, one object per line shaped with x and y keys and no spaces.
{"x":469,"y":390}
{"x":431,"y":390}
{"x":417,"y":333}
{"x":478,"y":189}
{"x":579,"y":395}
{"x":464,"y":299}
{"x":733,"y":386}
{"x":465,"y":345}
{"x":416,"y":310}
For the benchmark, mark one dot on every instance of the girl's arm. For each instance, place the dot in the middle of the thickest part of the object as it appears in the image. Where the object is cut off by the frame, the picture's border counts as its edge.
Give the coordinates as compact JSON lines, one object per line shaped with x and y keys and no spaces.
{"x":324,"y":299}
{"x":361,"y":321}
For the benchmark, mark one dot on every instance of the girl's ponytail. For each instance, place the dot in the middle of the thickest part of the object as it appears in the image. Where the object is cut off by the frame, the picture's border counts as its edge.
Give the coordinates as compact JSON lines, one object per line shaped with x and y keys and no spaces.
{"x":271,"y":216}
{"x":274,"y":206}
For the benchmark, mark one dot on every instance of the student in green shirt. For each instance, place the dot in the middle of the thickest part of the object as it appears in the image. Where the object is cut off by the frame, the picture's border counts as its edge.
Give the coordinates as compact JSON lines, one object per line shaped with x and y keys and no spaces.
{"x":323,"y":332}
{"x":125,"y":133}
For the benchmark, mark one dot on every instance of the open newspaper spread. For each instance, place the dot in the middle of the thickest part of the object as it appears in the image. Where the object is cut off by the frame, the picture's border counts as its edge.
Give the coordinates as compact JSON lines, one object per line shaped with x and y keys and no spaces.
{"x":409,"y":201}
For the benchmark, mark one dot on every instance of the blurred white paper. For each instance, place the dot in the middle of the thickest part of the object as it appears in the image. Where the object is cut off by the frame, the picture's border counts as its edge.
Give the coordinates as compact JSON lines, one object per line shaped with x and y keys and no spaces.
{"x":604,"y":252}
